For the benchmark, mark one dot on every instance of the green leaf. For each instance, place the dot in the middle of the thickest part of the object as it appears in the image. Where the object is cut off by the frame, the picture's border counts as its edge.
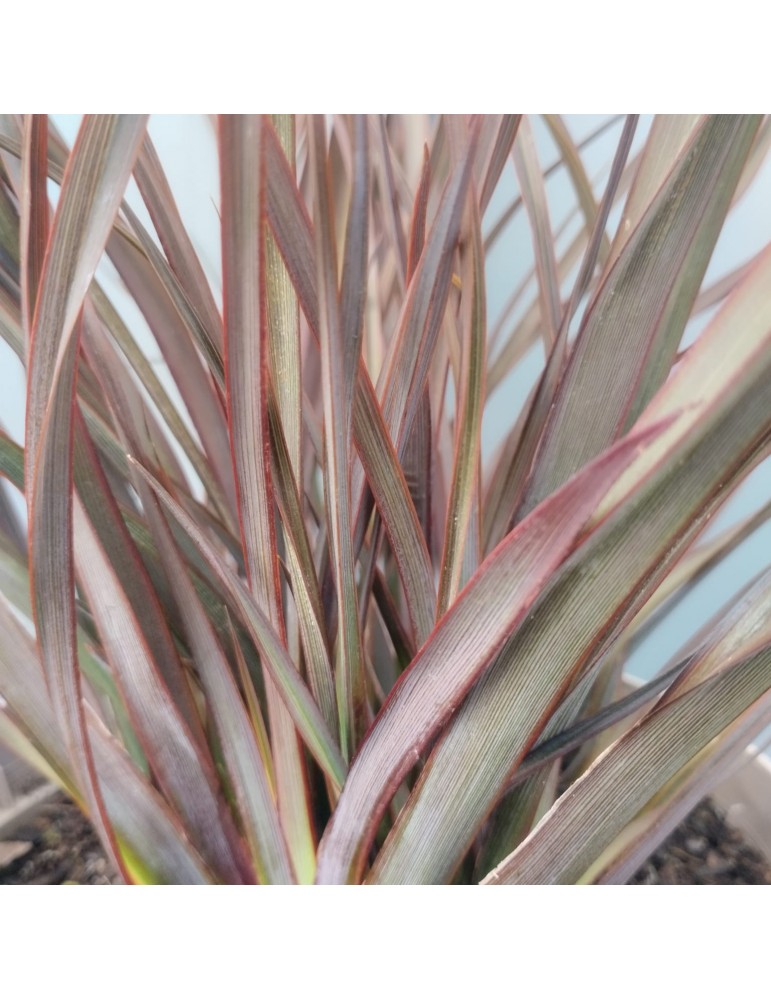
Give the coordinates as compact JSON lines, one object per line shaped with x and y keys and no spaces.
{"x":246,"y":349}
{"x":339,"y":356}
{"x":630,"y":333}
{"x":290,"y":685}
{"x":719,"y":407}
{"x":464,"y":490}
{"x":94,"y":180}
{"x":251,"y":785}
{"x":531,"y":183}
{"x":466,"y":640}
{"x":706,"y":698}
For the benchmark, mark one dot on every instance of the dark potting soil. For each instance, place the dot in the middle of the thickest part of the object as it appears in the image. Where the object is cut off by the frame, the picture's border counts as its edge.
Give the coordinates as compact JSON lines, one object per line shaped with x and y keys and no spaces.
{"x":59,"y":847}
{"x":704,"y":850}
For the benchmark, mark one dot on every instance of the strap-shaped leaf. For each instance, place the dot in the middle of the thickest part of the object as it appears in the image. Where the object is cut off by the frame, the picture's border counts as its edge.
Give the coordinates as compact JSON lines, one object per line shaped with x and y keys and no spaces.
{"x":93,"y":185}
{"x":178,"y":348}
{"x":630,"y":334}
{"x":175,"y":240}
{"x":257,"y":809}
{"x":720,"y":411}
{"x":184,"y":773}
{"x":464,"y":643}
{"x":142,"y":820}
{"x":464,"y":489}
{"x":339,"y":356}
{"x":290,"y":685}
{"x":703,"y":701}
{"x":246,"y":370}
{"x":531,"y":183}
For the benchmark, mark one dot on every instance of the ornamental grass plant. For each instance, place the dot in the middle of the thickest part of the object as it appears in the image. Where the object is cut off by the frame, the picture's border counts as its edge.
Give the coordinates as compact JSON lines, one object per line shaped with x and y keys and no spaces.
{"x":274,"y":615}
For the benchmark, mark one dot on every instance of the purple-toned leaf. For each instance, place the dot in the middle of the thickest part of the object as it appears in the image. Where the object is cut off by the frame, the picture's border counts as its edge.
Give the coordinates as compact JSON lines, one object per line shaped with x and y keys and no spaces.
{"x":464,"y":491}
{"x":510,"y":487}
{"x":533,"y":189}
{"x":175,"y":240}
{"x":630,"y":333}
{"x":93,"y":184}
{"x":242,"y":186}
{"x":718,"y":407}
{"x":177,"y":347}
{"x":302,"y":571}
{"x":465,"y":641}
{"x":336,"y":358}
{"x":497,"y":157}
{"x":283,"y":672}
{"x":571,"y":157}
{"x":251,"y":787}
{"x":33,"y":221}
{"x":177,"y":758}
{"x":142,"y":820}
{"x":705,"y":698}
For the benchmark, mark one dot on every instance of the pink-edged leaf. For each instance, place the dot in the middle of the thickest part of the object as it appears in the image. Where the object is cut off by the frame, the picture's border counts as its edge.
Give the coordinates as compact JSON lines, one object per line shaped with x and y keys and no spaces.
{"x":337,"y":356}
{"x":185,"y":774}
{"x":174,"y":340}
{"x":718,"y":407}
{"x":92,"y":189}
{"x":93,"y":185}
{"x":106,"y":521}
{"x":283,"y":672}
{"x":533,"y":189}
{"x":464,"y":490}
{"x":666,"y":140}
{"x":419,"y":215}
{"x":597,"y":219}
{"x":175,"y":240}
{"x":497,"y":157}
{"x":284,"y":340}
{"x":571,"y":157}
{"x":726,"y":676}
{"x":631,"y":330}
{"x":416,"y":456}
{"x":142,"y":820}
{"x":291,"y":226}
{"x":400,"y":519}
{"x":465,"y":641}
{"x":255,"y":709}
{"x":353,"y":278}
{"x":246,"y":371}
{"x":242,"y":264}
{"x":302,"y":571}
{"x":33,"y":222}
{"x":249,"y":779}
{"x":511,"y":486}
{"x":391,"y":196}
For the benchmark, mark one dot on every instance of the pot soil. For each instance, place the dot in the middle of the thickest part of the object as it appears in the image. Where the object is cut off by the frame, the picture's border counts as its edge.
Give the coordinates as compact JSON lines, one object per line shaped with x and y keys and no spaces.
{"x":59,"y":847}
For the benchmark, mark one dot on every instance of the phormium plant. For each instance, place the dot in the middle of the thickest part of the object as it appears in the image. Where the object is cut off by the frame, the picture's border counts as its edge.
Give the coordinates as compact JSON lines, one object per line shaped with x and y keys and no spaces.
{"x":300,"y":628}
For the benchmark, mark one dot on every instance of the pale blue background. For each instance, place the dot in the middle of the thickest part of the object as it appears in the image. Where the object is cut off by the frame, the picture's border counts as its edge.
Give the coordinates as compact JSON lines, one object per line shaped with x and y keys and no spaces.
{"x":186,"y":146}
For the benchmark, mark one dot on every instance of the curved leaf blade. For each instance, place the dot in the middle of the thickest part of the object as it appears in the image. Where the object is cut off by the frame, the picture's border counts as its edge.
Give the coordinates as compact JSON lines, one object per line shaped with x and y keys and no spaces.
{"x":465,"y":641}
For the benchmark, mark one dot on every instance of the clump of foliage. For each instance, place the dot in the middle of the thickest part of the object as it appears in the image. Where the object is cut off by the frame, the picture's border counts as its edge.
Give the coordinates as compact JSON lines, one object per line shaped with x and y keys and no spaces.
{"x":297,"y":628}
